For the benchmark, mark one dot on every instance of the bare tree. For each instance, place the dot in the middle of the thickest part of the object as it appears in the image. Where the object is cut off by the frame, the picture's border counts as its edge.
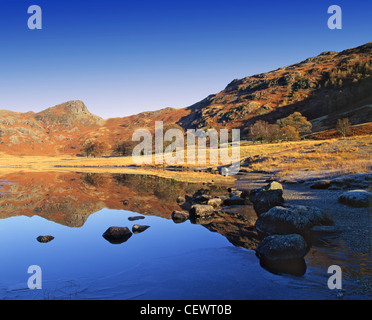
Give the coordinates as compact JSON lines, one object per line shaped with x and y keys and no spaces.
{"x":344,"y":126}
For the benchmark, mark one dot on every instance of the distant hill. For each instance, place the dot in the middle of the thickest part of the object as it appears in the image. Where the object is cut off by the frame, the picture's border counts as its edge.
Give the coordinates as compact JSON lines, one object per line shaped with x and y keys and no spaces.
{"x":323,"y":88}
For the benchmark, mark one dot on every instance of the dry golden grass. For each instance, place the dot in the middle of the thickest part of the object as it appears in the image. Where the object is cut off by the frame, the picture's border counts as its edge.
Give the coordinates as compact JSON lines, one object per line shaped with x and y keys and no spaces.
{"x":347,"y":155}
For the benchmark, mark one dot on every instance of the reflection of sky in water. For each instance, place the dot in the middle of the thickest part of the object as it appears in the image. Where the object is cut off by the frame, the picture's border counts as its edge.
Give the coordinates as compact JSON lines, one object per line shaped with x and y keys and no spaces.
{"x":166,"y":261}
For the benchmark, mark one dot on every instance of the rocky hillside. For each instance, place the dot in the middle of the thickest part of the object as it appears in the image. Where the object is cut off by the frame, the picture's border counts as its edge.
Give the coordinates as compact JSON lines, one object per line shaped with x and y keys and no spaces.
{"x":323,"y":88}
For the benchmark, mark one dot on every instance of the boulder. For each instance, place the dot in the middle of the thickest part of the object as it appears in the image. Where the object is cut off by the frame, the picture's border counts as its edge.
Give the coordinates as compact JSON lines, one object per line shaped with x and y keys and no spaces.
{"x":117,"y":235}
{"x":356,"y":198}
{"x":179,"y":216}
{"x":291,"y":219}
{"x":282,"y":247}
{"x":267,"y":197}
{"x":45,"y":239}
{"x":234,"y":201}
{"x":138,"y":228}
{"x":201,"y":210}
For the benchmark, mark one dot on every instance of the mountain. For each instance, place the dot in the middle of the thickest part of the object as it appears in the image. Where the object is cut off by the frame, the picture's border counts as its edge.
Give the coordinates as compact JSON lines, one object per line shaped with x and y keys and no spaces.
{"x":323,"y":88}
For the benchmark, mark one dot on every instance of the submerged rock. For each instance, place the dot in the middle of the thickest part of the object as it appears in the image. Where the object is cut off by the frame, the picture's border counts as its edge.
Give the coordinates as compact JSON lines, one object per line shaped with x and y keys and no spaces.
{"x":291,"y":219}
{"x":117,"y":235}
{"x":45,"y":239}
{"x":356,"y":198}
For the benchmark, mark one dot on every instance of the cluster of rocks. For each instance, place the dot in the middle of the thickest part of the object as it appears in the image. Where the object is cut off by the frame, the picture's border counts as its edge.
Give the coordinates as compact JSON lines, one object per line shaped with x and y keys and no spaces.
{"x":286,"y":229}
{"x":353,"y":181}
{"x":201,"y":207}
{"x":356,"y":196}
{"x":117,"y":235}
{"x":114,"y":235}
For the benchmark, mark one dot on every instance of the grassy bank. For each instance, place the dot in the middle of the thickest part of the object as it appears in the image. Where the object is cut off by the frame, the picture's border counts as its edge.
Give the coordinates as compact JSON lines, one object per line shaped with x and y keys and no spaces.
{"x":316,"y":157}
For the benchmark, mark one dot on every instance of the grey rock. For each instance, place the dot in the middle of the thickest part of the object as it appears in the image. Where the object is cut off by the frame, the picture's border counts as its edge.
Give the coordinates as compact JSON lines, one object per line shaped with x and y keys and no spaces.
{"x":356,"y":198}
{"x":291,"y":219}
{"x":267,"y":197}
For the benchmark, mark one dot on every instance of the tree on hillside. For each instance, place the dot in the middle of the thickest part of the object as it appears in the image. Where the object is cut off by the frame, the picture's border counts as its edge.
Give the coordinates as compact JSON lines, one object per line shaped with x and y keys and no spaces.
{"x":258,"y":131}
{"x":95,"y":149}
{"x":125,"y":148}
{"x":344,"y":126}
{"x":296,"y":120}
{"x":264,"y":131}
{"x":289,"y":133}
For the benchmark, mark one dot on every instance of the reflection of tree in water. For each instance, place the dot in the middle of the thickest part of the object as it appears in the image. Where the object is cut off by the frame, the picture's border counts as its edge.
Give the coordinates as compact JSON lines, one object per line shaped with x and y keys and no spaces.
{"x":165,"y":189}
{"x":96,"y":179}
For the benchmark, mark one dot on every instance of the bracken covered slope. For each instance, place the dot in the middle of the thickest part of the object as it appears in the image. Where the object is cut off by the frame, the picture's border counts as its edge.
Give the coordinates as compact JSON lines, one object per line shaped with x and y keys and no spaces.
{"x":323,"y":88}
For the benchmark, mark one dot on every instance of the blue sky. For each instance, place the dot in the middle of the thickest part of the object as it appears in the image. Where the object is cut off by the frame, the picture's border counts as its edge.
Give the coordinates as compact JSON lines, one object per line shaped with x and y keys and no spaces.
{"x":125,"y":57}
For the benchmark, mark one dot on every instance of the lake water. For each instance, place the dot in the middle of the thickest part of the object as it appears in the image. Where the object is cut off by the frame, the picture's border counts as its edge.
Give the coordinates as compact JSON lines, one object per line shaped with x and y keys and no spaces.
{"x":211,"y":259}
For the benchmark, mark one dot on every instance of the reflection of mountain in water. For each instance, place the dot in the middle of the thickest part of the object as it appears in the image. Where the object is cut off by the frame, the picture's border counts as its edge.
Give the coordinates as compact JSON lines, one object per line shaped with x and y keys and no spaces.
{"x":69,"y":199}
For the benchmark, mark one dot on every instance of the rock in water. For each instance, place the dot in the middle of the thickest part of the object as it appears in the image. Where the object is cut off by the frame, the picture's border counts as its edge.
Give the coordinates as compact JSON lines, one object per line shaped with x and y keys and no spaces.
{"x":201,"y":210}
{"x":45,"y":239}
{"x":117,"y":235}
{"x":136,"y":218}
{"x":179,"y":216}
{"x":138,"y":228}
{"x":356,"y":198}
